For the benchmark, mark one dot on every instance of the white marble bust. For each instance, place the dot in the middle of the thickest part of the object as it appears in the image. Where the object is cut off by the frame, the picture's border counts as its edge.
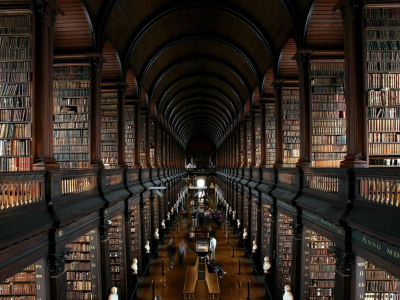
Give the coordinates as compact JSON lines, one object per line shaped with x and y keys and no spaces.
{"x":234,"y":215}
{"x":245,"y":233}
{"x":168,"y":216}
{"x":266,"y":265}
{"x":134,"y":266}
{"x":156,"y":235}
{"x":113,"y":294}
{"x":230,"y":210}
{"x":288,"y":294}
{"x":238,"y":223}
{"x":163,"y":224}
{"x":147,"y":247}
{"x":255,"y":246}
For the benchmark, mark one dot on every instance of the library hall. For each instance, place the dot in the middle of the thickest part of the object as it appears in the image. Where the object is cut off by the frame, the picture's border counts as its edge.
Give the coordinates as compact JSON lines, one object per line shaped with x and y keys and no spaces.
{"x":200,"y":149}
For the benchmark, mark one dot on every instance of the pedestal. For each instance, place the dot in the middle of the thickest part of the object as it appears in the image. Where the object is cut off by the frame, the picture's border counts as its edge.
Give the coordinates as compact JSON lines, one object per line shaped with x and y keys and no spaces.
{"x":167,"y":223}
{"x":133,"y":284}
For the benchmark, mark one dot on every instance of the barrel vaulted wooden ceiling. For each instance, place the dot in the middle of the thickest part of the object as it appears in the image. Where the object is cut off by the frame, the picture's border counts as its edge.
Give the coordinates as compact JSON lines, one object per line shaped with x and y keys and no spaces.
{"x":198,"y":66}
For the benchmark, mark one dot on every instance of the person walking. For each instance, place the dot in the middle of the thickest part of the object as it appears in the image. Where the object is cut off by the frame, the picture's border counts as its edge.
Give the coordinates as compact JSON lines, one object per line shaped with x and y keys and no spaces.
{"x":213,"y":246}
{"x":181,"y":252}
{"x":171,"y":254}
{"x":194,"y":217}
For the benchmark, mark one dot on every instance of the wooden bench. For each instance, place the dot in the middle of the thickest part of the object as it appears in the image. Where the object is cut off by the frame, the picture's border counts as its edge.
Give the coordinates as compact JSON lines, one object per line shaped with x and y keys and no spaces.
{"x":199,"y":283}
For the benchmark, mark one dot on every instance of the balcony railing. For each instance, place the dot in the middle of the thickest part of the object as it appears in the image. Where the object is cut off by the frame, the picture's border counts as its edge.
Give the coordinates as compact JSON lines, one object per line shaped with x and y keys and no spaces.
{"x":323,"y":180}
{"x":287,"y":176}
{"x":21,"y":189}
{"x":78,"y":182}
{"x":376,"y":186}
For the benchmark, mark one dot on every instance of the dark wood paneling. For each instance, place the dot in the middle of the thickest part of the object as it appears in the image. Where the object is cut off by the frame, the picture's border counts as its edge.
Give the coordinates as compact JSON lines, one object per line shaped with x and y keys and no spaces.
{"x":288,"y":66}
{"x":111,"y":69}
{"x":325,"y":29}
{"x":132,"y":88}
{"x":268,"y":88}
{"x":72,"y":31}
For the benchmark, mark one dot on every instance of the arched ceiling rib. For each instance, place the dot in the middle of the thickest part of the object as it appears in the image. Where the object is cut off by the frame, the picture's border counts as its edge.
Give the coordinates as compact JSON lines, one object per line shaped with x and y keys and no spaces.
{"x":196,"y":64}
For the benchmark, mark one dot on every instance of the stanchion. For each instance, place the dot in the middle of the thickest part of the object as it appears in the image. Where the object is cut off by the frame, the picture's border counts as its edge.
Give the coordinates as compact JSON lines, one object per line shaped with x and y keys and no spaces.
{"x":162,"y":266}
{"x":239,"y":267}
{"x":228,"y":237}
{"x":233,"y":249}
{"x":152,"y":282}
{"x":248,"y":289}
{"x":177,"y":228}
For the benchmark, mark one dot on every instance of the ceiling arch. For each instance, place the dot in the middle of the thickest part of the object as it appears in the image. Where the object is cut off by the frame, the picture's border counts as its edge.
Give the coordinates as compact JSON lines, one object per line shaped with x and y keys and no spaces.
{"x":205,"y":86}
{"x":205,"y":121}
{"x":196,"y":111}
{"x":208,"y":59}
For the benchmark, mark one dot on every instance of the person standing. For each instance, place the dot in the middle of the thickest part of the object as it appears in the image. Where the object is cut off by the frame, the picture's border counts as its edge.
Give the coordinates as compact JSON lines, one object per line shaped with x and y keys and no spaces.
{"x":194,"y":217}
{"x":213,"y":246}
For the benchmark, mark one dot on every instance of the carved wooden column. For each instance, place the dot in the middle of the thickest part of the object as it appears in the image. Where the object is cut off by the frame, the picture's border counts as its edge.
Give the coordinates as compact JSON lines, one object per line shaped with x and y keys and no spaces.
{"x":121,"y":92}
{"x":137,"y":134}
{"x":96,"y":64}
{"x":104,"y":227}
{"x":343,"y":269}
{"x":253,"y":138}
{"x":296,"y":270}
{"x":302,"y":57}
{"x":58,"y":275}
{"x":45,"y":17}
{"x":352,"y":11}
{"x":278,"y":122}
{"x":262,"y":129}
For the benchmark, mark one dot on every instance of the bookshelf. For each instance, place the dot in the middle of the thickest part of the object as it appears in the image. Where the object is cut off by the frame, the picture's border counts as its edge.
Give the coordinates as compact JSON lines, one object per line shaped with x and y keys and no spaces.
{"x":143,"y":141}
{"x":242,"y":145}
{"x":27,"y":284}
{"x":328,"y":114}
{"x":319,"y":265}
{"x":164,"y":148}
{"x":15,"y":91}
{"x":253,"y":218}
{"x":135,"y":230}
{"x":81,"y":266}
{"x":266,"y":231}
{"x":152,"y":143}
{"x":71,"y":115}
{"x":109,"y":127}
{"x":270,"y":138}
{"x":383,"y":85}
{"x":248,"y":142}
{"x":130,"y":136}
{"x":291,"y":127}
{"x":284,"y":262}
{"x":379,"y":284}
{"x":245,"y":220}
{"x":159,"y":158}
{"x":116,"y":238}
{"x":257,"y":146}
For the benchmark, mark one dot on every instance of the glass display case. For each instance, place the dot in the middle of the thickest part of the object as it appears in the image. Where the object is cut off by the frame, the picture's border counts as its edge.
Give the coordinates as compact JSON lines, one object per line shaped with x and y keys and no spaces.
{"x":202,"y":245}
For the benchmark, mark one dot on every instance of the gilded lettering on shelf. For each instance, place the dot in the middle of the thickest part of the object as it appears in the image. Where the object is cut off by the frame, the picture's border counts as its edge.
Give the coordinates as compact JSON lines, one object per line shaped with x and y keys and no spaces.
{"x":377,"y":246}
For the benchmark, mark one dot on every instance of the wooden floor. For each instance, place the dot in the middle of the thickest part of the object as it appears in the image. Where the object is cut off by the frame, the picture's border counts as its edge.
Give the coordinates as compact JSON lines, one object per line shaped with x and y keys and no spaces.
{"x":232,"y":285}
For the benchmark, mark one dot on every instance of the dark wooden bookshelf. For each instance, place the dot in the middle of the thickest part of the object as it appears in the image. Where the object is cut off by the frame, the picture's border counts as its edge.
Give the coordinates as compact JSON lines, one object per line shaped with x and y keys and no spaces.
{"x":270,"y":138}
{"x":142,"y":140}
{"x":328,"y":113}
{"x":71,"y":115}
{"x":284,"y":261}
{"x":81,"y":265}
{"x":16,"y":102}
{"x":109,"y":123}
{"x":383,"y":84}
{"x":291,"y":127}
{"x":130,"y":136}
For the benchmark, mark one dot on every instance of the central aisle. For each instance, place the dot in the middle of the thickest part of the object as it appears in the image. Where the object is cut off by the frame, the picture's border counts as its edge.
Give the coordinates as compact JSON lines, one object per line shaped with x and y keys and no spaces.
{"x":232,"y":286}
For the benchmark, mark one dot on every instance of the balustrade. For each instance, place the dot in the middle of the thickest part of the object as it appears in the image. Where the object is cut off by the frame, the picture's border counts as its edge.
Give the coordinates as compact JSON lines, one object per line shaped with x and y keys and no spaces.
{"x":326,"y":182}
{"x":21,"y":189}
{"x":377,"y":186}
{"x":78,"y":182}
{"x":287,"y":176}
